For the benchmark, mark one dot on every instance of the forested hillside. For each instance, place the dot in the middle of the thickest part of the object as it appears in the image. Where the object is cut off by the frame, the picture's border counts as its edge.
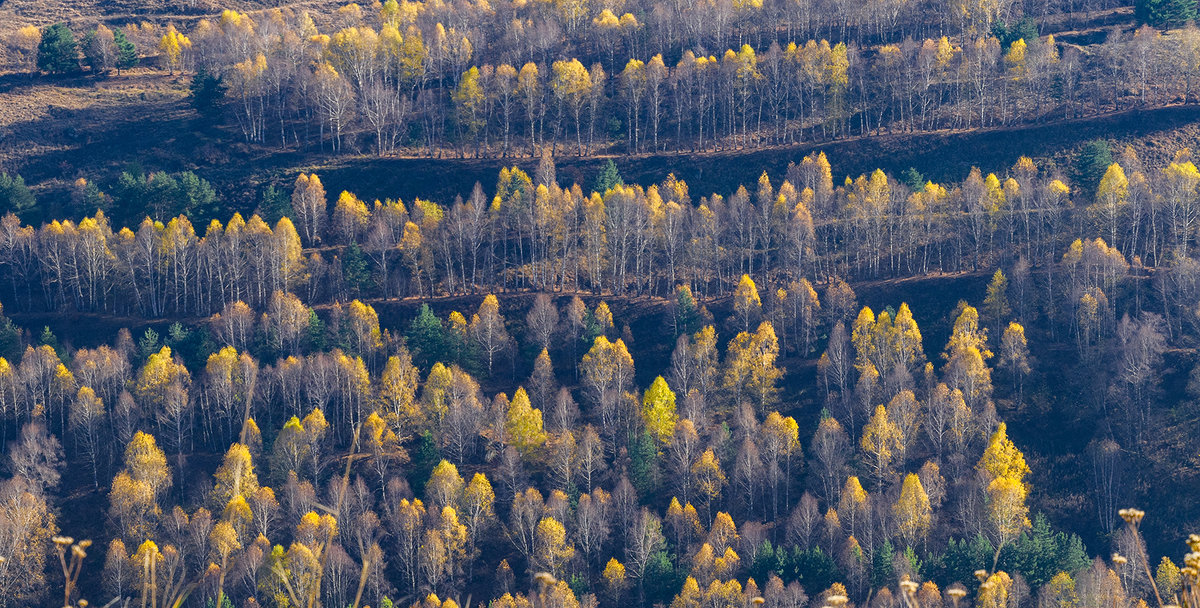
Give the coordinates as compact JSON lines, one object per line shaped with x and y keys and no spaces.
{"x":619,"y":481}
{"x":276,"y":332}
{"x":478,"y":79}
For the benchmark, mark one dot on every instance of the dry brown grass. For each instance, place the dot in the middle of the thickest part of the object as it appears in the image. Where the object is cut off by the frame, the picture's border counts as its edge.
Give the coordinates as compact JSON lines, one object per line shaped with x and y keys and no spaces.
{"x":43,"y":117}
{"x":86,"y":12}
{"x":82,"y":15}
{"x":39,"y":97}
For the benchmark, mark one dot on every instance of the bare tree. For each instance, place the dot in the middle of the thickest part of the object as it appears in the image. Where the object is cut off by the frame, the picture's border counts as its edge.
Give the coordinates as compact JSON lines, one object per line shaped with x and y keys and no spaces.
{"x":542,"y":321}
{"x":36,"y":457}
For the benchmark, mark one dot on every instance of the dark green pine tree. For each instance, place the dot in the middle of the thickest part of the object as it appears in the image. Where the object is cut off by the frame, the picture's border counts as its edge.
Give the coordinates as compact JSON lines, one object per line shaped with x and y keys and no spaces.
{"x":1091,"y":163}
{"x":1165,"y":13}
{"x":962,"y":558}
{"x":1006,"y":33}
{"x":768,"y":561}
{"x":427,"y":339}
{"x":162,"y":195}
{"x":1040,"y":553}
{"x":275,"y":205}
{"x":207,"y":93}
{"x":915,"y":565}
{"x":813,"y":568}
{"x":89,"y":200}
{"x":687,"y":315}
{"x":316,"y":331}
{"x":195,"y":197}
{"x":58,"y":53}
{"x":10,"y":339}
{"x":663,"y":580}
{"x":609,"y":178}
{"x":643,"y":467}
{"x":15,"y":196}
{"x":49,"y":339}
{"x":913,"y":179}
{"x":354,"y":269}
{"x":425,"y":457}
{"x":126,"y":51}
{"x":148,"y":344}
{"x":882,"y":569}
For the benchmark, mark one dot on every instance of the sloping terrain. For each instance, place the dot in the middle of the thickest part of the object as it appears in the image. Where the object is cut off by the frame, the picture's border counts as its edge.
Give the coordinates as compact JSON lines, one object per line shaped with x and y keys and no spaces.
{"x":42,"y":12}
{"x":56,"y":130}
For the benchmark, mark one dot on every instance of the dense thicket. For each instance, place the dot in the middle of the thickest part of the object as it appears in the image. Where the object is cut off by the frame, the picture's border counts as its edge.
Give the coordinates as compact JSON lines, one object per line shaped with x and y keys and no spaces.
{"x":624,"y":495}
{"x":511,"y":77}
{"x":763,"y":439}
{"x":370,"y":462}
{"x":532,"y":234}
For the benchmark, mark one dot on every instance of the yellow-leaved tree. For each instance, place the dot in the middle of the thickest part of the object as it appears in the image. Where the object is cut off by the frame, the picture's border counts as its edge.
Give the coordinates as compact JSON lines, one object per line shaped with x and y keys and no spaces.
{"x":746,"y":301}
{"x":398,"y":395}
{"x":1014,"y":355}
{"x":433,"y":393}
{"x":853,"y":504}
{"x":172,"y":45}
{"x":1007,"y":511}
{"x":530,"y":91}
{"x":881,"y":440}
{"x":658,"y":411}
{"x":1111,"y":198}
{"x":708,"y":478}
{"x":552,"y":551}
{"x":780,"y":447}
{"x":444,"y":486}
{"x":523,"y":425}
{"x":966,"y":333}
{"x":572,"y":87}
{"x":995,"y":304}
{"x":26,"y":528}
{"x":478,"y":501}
{"x":750,"y":372}
{"x":614,"y":579}
{"x":912,"y":511}
{"x":155,"y":378}
{"x":487,"y":329}
{"x":1002,"y":458}
{"x":363,"y":325}
{"x":607,"y":374}
{"x":382,"y":447}
{"x":133,"y":501}
{"x":224,"y":541}
{"x":994,"y":591}
{"x":234,"y":478}
{"x":308,"y":205}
